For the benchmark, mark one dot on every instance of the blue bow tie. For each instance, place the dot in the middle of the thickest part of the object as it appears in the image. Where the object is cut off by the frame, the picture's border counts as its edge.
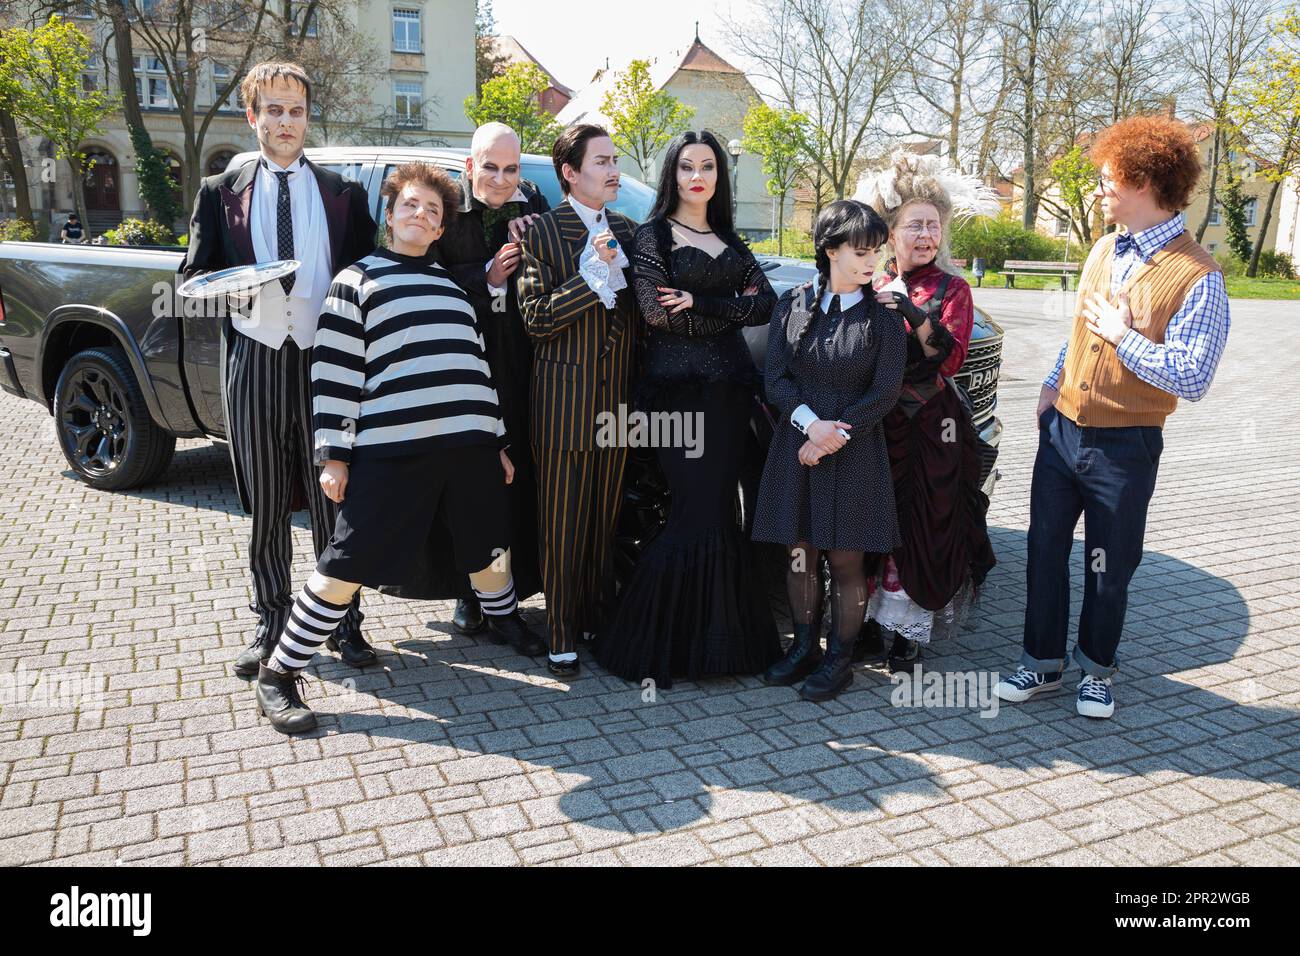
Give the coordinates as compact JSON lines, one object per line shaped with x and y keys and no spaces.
{"x":1125,"y":243}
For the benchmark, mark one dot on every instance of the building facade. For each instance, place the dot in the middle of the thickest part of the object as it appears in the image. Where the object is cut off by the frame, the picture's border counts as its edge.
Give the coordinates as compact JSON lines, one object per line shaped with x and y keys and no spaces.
{"x":417,"y":87}
{"x":721,"y":96}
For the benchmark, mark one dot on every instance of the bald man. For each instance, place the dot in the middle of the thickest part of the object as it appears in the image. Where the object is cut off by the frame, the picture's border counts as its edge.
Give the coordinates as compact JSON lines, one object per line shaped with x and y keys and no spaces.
{"x":480,"y":248}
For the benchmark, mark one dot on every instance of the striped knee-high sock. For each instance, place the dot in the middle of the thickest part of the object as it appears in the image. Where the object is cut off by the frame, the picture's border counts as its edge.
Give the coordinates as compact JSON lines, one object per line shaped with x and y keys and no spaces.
{"x":310,"y":623}
{"x":498,"y":603}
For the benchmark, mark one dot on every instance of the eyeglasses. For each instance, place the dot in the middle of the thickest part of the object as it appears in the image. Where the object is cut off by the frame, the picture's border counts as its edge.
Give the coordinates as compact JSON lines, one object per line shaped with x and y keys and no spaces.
{"x":1106,"y":185}
{"x":917,"y":227}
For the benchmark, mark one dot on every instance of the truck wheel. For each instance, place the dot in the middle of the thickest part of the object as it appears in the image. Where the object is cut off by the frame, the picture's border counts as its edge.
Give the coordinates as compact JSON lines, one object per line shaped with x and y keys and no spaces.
{"x":103,"y":423}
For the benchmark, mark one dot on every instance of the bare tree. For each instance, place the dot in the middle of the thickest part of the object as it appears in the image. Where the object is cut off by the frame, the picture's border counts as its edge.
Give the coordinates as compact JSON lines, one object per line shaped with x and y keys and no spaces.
{"x":1133,"y":55}
{"x":835,"y":61}
{"x":940,"y":99}
{"x":1221,"y":39}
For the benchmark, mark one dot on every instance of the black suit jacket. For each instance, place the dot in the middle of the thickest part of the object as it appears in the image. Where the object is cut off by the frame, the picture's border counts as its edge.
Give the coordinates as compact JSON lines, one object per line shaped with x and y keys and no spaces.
{"x":583,"y":352}
{"x":464,"y":250}
{"x":220,"y":226}
{"x":221,"y":237}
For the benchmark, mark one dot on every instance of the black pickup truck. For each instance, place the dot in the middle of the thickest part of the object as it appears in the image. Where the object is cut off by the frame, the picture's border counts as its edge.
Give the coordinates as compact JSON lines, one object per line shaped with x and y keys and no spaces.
{"x":97,"y":335}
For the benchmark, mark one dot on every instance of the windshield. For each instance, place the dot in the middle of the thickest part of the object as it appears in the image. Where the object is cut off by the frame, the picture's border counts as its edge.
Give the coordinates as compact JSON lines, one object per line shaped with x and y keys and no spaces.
{"x":635,"y":198}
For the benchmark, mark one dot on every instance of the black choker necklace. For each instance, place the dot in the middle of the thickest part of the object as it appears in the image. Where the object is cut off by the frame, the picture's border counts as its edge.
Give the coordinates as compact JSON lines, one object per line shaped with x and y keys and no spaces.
{"x":698,"y":232}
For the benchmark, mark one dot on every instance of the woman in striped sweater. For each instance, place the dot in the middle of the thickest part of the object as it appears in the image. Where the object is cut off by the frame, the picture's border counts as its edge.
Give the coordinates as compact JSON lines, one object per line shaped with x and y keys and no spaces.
{"x":408,"y":431}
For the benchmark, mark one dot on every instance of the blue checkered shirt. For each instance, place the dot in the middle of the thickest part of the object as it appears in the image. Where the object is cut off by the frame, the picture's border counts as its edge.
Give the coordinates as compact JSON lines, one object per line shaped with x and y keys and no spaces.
{"x":1185,"y":362}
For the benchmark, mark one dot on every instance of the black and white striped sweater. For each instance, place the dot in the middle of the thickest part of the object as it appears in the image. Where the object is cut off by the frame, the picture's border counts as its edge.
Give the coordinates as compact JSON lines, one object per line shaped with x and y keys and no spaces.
{"x":399,"y":365}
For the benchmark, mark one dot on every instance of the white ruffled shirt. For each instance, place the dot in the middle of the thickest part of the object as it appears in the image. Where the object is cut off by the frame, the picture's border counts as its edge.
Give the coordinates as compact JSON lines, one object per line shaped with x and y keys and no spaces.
{"x":604,"y":279}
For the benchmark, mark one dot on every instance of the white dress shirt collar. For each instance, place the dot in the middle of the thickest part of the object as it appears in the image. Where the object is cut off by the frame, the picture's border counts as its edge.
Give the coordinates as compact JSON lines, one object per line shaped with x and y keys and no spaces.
{"x":847,"y":300}
{"x":594,"y":219}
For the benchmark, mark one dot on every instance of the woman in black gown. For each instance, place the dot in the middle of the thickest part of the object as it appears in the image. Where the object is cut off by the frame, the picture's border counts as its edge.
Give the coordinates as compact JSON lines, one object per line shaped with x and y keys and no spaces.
{"x":695,"y":605}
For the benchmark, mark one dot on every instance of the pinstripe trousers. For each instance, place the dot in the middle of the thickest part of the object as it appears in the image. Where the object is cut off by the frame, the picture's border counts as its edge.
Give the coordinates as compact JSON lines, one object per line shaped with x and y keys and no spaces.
{"x":268,"y":393}
{"x":579,"y":495}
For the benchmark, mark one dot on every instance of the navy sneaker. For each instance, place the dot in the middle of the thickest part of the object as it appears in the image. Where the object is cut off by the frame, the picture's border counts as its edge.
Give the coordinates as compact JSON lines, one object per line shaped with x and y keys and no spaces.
{"x":1024,"y":684}
{"x":1095,"y":698}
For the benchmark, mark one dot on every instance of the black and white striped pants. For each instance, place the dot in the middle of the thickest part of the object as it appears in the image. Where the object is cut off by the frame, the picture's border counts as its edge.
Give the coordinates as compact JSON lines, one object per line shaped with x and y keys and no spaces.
{"x":268,"y":398}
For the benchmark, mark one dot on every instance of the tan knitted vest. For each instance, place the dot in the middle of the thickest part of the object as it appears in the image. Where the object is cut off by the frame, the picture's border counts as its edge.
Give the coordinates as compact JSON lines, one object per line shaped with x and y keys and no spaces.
{"x":1096,"y":389}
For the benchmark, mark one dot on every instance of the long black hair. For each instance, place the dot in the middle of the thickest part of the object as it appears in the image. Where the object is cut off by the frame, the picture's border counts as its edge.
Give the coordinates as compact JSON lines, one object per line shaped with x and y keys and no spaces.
{"x":845,"y":221}
{"x":667,"y":197}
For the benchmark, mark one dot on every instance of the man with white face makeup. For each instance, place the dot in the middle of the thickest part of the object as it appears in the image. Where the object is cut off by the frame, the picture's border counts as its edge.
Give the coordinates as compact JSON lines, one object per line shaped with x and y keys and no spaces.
{"x":578,"y":308}
{"x":279,"y":206}
{"x":480,"y":248}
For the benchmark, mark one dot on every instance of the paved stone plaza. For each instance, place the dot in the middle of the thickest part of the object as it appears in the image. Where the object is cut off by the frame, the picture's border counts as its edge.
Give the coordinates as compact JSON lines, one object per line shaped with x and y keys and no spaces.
{"x":457,"y":751}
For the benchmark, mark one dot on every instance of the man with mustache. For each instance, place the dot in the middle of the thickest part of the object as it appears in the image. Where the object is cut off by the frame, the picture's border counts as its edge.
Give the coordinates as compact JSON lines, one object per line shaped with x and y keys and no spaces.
{"x":578,"y":307}
{"x":480,"y":248}
{"x":279,"y":206}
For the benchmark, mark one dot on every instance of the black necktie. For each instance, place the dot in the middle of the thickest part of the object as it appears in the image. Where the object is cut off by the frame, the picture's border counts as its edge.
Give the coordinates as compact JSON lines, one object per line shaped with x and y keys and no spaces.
{"x":284,"y":228}
{"x":835,"y":306}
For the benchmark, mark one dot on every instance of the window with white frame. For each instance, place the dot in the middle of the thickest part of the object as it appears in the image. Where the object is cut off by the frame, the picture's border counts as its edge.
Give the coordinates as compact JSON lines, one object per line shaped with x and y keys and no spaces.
{"x":83,"y":10}
{"x":407,"y":100}
{"x":1062,"y":225}
{"x":220,"y":77}
{"x":1215,"y":217}
{"x":90,"y":76}
{"x":1248,"y":207}
{"x":406,"y":30}
{"x":151,"y":89}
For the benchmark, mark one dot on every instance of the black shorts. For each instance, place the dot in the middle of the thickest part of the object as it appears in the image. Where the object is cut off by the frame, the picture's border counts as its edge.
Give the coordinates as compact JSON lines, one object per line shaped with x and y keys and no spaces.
{"x":390,"y":505}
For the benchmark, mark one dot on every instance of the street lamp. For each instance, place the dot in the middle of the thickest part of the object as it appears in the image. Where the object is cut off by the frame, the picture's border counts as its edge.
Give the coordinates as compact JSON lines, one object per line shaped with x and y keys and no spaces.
{"x":733,"y":148}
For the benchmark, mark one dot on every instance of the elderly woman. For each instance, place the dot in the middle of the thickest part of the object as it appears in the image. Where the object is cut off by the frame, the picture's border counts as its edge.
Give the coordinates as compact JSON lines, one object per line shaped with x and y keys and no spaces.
{"x":926,"y":584}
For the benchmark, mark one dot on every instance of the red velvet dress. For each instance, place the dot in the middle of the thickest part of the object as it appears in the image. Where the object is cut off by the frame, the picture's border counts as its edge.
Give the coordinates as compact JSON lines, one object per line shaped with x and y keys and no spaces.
{"x":935,"y":463}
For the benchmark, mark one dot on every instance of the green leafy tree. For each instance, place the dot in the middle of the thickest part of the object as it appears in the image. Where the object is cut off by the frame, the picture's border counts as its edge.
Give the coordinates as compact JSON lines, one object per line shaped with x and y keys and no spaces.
{"x":780,"y":137}
{"x":1234,"y":212}
{"x":40,"y":84}
{"x":1265,"y":109}
{"x":514,"y":98}
{"x":643,"y":120}
{"x":1076,"y":176}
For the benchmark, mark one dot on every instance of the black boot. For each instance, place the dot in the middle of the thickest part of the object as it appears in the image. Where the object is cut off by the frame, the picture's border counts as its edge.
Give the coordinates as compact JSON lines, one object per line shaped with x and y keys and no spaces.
{"x":800,"y":660}
{"x":513,"y":630}
{"x":903,"y":653}
{"x":279,"y":702}
{"x":468,"y":618}
{"x":870,"y":644}
{"x":259,"y":652}
{"x":835,"y":674}
{"x":352,"y":648}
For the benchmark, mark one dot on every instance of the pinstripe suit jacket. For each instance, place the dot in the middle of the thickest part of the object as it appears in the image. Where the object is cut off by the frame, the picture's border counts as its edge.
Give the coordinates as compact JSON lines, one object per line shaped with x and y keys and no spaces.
{"x":583,"y":353}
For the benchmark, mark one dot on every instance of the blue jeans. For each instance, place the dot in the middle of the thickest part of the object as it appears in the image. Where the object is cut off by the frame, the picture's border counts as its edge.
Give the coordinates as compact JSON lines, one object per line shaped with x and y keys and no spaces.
{"x":1108,"y":476}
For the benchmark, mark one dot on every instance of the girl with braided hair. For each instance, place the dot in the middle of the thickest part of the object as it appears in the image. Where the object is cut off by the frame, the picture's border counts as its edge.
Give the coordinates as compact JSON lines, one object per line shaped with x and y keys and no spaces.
{"x":926,"y":584}
{"x":834,"y":364}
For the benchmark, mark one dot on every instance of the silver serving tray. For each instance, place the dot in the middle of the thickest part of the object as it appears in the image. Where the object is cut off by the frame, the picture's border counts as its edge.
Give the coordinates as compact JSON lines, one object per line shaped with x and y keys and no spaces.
{"x":244,"y":280}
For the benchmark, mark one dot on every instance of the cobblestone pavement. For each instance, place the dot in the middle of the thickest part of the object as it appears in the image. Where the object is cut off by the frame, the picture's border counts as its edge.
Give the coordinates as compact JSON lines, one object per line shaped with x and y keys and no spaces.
{"x":456,"y":751}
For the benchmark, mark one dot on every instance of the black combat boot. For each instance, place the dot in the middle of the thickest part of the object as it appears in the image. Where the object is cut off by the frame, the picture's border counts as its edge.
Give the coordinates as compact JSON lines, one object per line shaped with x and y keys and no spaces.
{"x":800,"y":660}
{"x":279,"y":701}
{"x":835,"y":674}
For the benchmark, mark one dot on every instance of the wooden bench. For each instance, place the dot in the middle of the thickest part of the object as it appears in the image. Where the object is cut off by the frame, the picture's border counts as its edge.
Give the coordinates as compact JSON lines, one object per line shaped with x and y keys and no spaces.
{"x":1028,"y":267}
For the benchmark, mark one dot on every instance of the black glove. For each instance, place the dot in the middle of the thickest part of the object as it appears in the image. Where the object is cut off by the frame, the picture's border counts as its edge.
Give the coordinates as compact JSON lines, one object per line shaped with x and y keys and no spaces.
{"x":915,"y":317}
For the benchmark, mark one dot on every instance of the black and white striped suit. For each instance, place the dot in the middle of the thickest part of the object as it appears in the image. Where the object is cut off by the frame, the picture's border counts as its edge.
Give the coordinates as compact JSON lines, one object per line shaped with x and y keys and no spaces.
{"x":582,"y":366}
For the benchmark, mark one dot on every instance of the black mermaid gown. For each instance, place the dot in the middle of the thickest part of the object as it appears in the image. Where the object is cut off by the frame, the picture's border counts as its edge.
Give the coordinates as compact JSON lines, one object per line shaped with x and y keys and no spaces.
{"x":695,"y":605}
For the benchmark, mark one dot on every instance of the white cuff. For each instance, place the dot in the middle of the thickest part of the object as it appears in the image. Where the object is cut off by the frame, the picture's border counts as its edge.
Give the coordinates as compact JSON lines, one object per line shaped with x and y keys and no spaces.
{"x":493,"y":289}
{"x":802,"y":417}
